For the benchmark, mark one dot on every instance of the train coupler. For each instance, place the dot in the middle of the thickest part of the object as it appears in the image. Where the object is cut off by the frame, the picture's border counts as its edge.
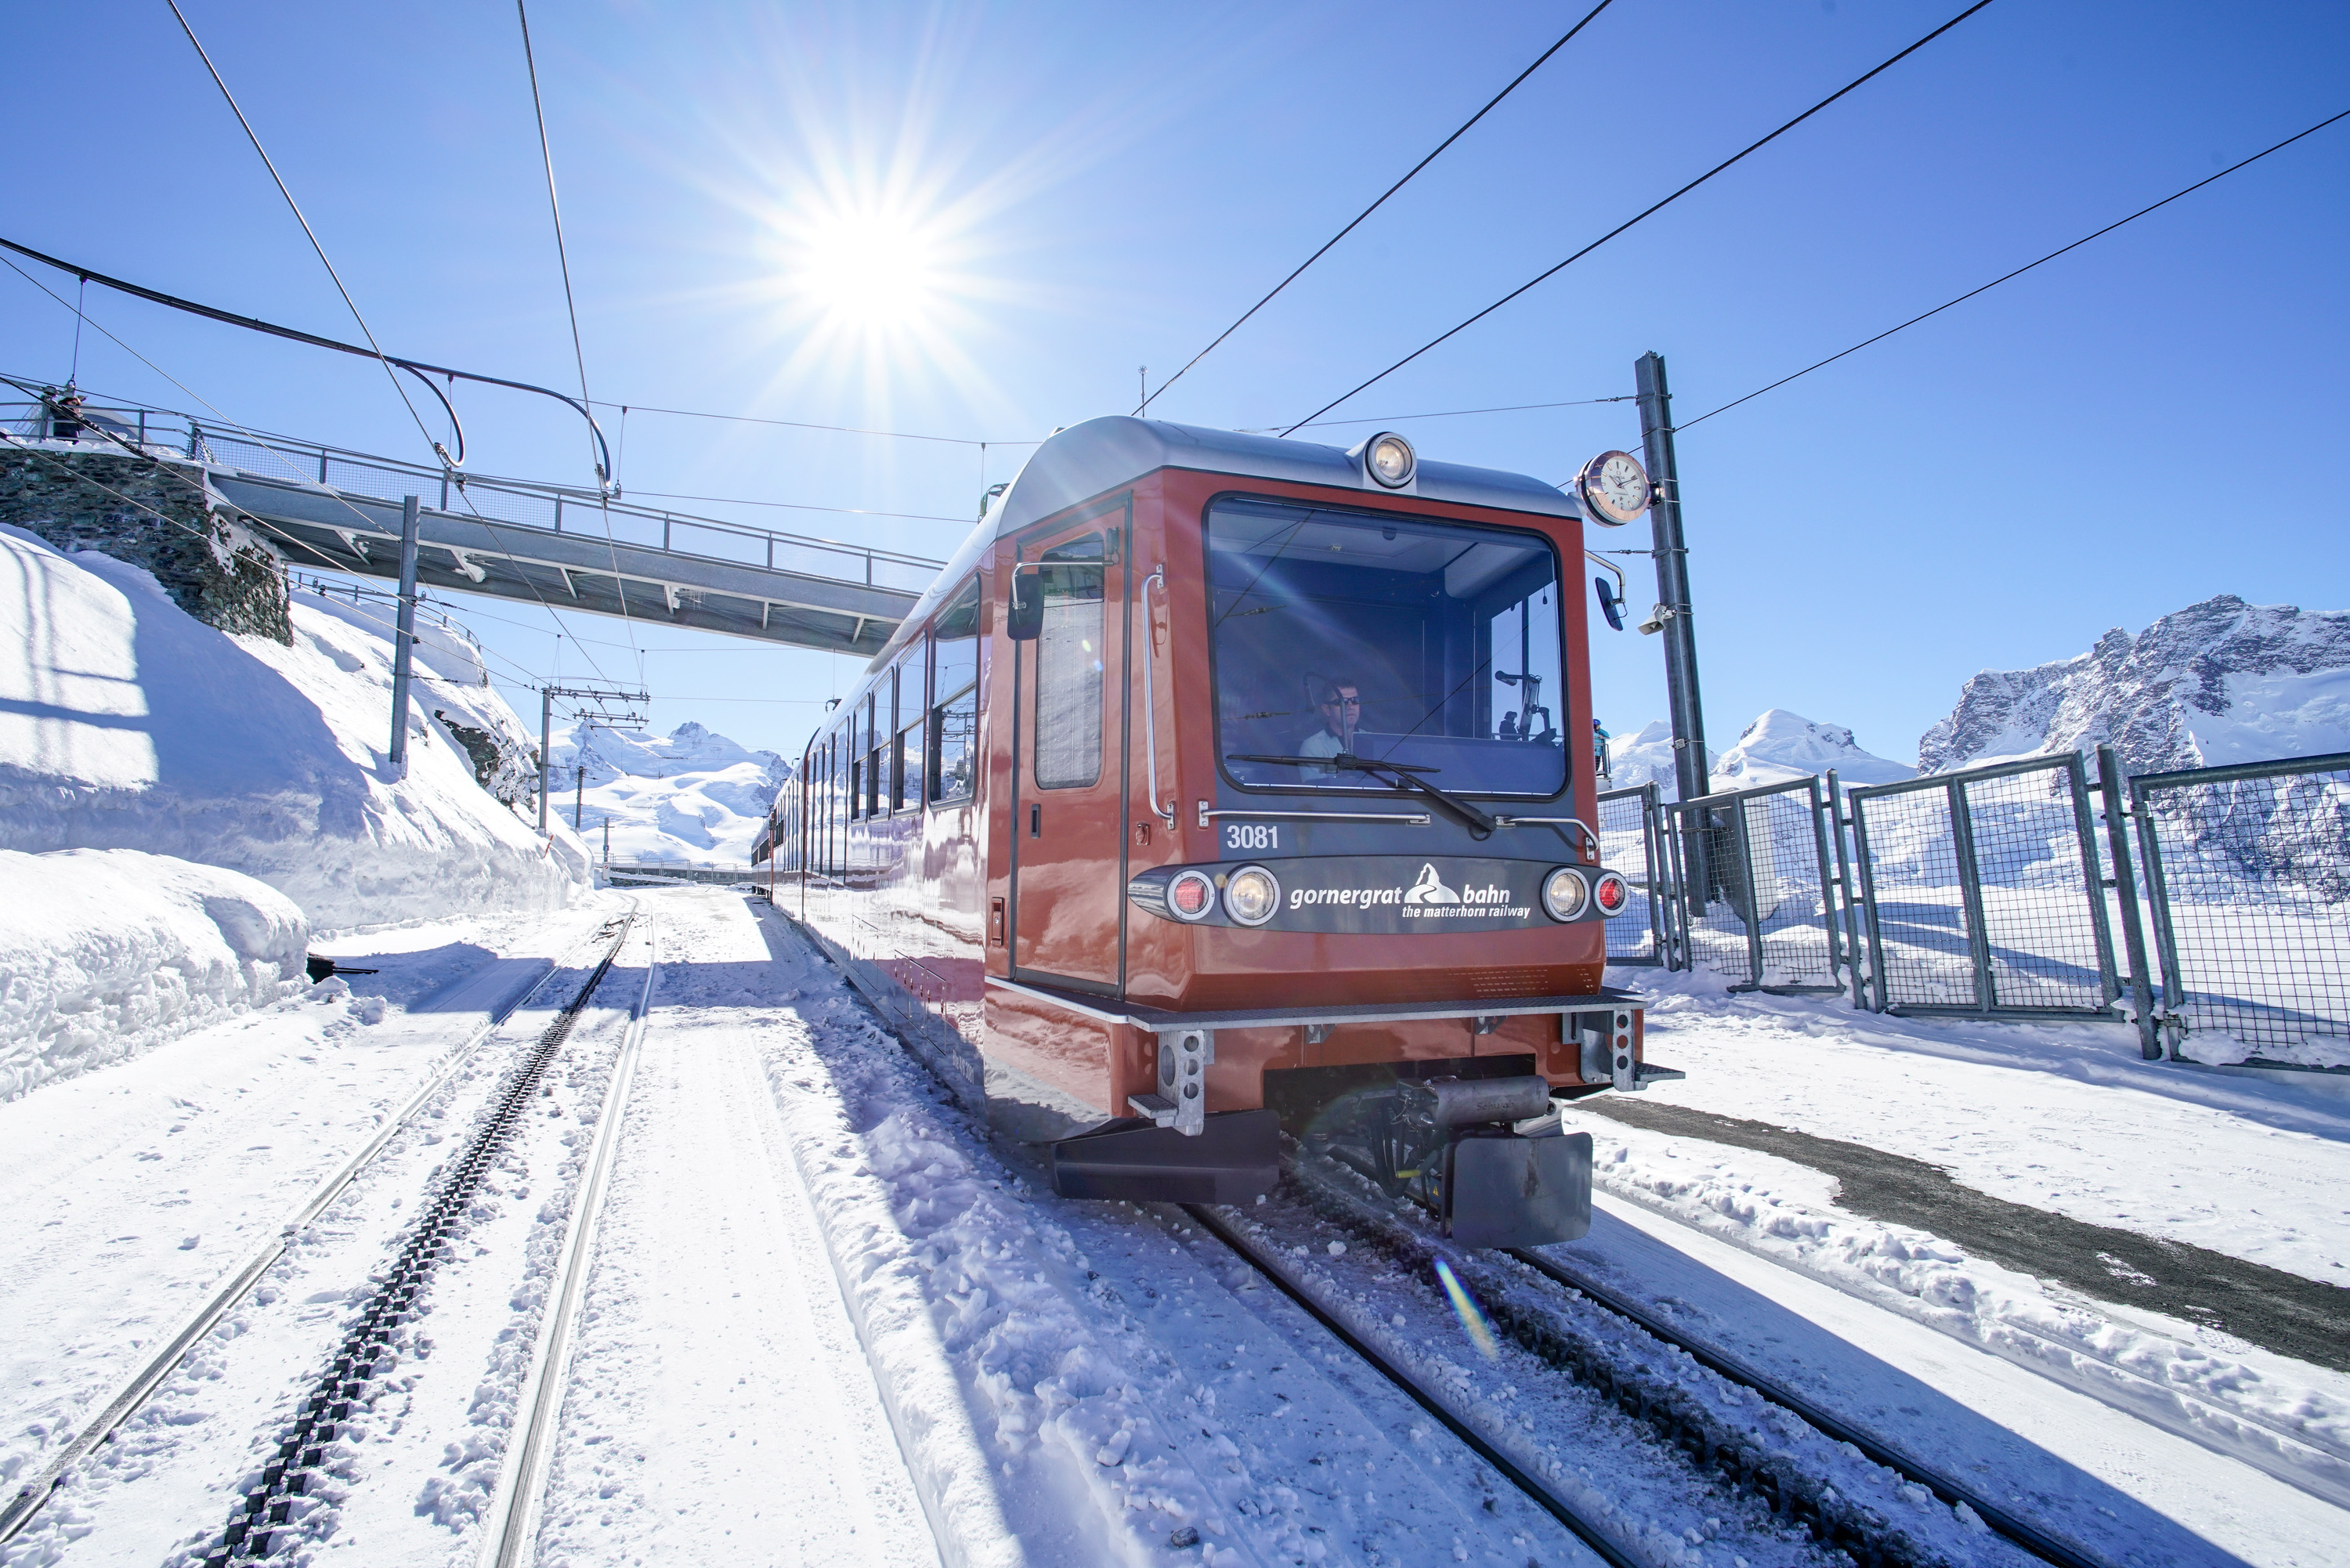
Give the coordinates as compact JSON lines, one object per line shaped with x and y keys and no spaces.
{"x":1452,"y":1145}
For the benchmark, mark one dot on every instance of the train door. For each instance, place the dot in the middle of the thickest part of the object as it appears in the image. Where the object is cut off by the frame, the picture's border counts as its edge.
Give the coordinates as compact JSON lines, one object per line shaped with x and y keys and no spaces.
{"x":1068,"y":866}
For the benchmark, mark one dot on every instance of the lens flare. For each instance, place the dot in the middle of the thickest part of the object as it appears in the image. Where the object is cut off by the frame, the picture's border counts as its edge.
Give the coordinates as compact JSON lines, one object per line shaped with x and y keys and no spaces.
{"x":1473,"y":1318}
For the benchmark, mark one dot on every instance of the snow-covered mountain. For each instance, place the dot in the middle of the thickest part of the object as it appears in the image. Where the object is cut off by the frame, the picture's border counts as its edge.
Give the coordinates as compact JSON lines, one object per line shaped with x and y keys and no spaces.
{"x":1777,"y":746}
{"x":692,"y":795}
{"x":2218,"y":682}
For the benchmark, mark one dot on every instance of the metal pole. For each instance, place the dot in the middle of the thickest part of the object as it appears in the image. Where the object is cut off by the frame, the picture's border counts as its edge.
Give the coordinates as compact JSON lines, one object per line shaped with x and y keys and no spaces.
{"x":1962,"y":849}
{"x":1689,"y":764}
{"x":579,"y":795}
{"x":2110,"y":780}
{"x":545,"y":738}
{"x":403,"y":640}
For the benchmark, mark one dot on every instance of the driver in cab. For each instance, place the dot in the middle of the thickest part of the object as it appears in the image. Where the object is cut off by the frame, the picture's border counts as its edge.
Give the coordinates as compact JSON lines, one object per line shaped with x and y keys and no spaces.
{"x":1340,"y":703}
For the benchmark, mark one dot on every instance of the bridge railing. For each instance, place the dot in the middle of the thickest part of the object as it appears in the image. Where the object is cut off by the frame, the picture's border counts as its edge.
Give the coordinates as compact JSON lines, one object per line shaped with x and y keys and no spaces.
{"x":562,"y":509}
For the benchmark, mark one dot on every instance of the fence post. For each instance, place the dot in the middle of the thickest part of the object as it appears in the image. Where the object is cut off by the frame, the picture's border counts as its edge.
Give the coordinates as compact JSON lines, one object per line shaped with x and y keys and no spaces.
{"x":2111,"y":784}
{"x":1963,"y":848}
{"x":1827,"y":881}
{"x":1753,"y":912}
{"x":2158,"y":899}
{"x":1876,"y":989}
{"x":1851,"y":919}
{"x":195,"y":438}
{"x":2076,"y":779}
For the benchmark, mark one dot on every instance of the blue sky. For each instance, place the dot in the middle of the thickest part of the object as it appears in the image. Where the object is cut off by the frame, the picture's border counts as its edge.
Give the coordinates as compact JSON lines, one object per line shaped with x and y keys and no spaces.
{"x":2152,"y":419}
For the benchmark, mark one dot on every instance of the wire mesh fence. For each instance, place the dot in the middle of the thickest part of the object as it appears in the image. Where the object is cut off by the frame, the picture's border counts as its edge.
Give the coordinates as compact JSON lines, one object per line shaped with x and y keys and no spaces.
{"x":2248,"y":878}
{"x":1630,"y":843}
{"x":1983,"y":892}
{"x":1756,"y":902}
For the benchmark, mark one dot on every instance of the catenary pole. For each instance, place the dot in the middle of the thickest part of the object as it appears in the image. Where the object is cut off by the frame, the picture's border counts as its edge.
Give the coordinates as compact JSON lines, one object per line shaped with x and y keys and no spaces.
{"x":1691,"y":766}
{"x":403,"y":641}
{"x":545,"y":738}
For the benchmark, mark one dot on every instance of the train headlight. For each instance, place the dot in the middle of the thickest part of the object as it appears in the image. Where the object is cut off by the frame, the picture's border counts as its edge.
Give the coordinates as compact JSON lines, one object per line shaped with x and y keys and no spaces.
{"x":1251,"y":895}
{"x":1190,"y":895}
{"x":1390,"y":459}
{"x":1564,"y":892}
{"x":1611,"y":893}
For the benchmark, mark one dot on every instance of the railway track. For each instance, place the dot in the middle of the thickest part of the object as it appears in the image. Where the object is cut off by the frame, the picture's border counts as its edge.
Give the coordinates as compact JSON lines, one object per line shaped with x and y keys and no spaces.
{"x":1548,"y":1498}
{"x":1534,"y":1310}
{"x":286,"y":1476}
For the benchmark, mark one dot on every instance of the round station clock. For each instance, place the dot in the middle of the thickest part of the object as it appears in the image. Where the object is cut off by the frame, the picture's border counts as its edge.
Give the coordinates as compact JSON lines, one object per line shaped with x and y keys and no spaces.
{"x":1613,"y":488}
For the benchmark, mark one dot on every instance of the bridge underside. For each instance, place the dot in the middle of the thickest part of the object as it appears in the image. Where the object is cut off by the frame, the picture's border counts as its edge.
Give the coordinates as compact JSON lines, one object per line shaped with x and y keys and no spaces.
{"x":320,"y":528}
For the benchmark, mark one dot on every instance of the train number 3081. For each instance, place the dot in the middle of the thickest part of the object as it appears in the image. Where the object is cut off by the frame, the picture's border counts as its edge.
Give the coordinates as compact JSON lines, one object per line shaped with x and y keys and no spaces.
{"x":1252,"y":836}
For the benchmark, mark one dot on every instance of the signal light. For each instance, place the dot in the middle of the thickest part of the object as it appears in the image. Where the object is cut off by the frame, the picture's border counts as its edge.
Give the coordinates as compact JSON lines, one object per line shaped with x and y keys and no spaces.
{"x":1251,"y":895}
{"x":1611,"y":893}
{"x":1190,"y":895}
{"x":1564,"y":893}
{"x":1390,"y":461}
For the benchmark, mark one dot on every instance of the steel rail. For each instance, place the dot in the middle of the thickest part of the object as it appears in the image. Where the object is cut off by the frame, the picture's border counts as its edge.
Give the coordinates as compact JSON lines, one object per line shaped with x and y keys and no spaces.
{"x":141,"y":1386}
{"x":1540,"y":1495}
{"x":1732,"y":1369}
{"x":516,"y":1506}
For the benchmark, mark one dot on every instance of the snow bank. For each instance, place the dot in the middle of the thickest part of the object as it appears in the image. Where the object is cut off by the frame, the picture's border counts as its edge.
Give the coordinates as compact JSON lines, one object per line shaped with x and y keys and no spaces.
{"x":692,"y":796}
{"x":127,"y":723}
{"x":105,"y":953}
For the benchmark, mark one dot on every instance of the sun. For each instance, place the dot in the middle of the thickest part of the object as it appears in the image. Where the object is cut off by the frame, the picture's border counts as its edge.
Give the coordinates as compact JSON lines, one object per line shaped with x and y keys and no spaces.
{"x":872,"y":270}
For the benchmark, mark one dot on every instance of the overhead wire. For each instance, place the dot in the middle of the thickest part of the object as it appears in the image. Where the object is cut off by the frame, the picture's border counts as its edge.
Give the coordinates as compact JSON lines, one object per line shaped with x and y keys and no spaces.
{"x":352,"y":305}
{"x":1440,"y":414}
{"x":1639,"y":217}
{"x":1149,"y":396}
{"x":2018,"y":271}
{"x":309,"y":233}
{"x":604,"y":476}
{"x":261,"y":439}
{"x":804,"y":425}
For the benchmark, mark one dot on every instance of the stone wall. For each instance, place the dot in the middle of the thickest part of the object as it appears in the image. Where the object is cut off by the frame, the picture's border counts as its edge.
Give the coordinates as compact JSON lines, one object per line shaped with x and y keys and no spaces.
{"x":202,"y":555}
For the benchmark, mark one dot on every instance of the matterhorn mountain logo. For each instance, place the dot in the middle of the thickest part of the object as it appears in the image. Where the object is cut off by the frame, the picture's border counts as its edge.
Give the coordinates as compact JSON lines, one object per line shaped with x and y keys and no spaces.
{"x":1429,"y":890}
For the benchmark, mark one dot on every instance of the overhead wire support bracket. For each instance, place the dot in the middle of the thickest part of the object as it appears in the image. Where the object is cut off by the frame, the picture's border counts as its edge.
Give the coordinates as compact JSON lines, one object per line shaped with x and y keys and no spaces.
{"x":417,"y":367}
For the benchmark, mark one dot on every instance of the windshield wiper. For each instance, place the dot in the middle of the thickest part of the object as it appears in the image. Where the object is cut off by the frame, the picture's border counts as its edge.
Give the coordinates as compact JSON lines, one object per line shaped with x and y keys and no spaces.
{"x":1406,"y":778}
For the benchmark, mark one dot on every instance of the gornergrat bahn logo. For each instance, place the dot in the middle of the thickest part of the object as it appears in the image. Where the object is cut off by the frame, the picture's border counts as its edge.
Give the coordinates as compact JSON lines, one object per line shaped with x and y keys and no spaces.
{"x":1427,"y":898}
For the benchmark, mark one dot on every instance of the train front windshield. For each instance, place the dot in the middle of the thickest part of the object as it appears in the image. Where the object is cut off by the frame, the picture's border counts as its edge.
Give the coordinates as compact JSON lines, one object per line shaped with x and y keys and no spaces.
{"x":1424,"y":643}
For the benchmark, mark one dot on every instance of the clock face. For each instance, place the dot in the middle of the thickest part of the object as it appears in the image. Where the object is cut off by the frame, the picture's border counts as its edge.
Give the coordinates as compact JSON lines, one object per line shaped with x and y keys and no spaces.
{"x":1614,"y":488}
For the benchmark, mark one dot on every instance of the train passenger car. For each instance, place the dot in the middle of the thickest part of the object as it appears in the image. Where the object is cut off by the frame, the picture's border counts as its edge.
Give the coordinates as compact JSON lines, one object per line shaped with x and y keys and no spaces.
{"x":1224,"y":786}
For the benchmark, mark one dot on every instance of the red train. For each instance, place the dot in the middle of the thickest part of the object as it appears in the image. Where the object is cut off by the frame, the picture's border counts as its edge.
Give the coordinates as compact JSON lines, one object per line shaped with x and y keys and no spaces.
{"x":1222,"y":786}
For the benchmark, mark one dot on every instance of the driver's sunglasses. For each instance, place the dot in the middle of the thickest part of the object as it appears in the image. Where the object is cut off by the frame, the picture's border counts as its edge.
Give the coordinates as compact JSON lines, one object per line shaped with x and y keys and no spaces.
{"x":1343,"y":703}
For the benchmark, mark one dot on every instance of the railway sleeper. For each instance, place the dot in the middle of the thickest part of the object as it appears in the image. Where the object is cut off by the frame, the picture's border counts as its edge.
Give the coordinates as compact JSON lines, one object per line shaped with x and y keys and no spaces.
{"x":1744,"y":1459}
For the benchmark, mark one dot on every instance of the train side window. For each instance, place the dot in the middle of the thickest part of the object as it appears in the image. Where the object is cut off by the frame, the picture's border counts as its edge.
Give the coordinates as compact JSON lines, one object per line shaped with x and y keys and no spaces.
{"x":954,"y":698}
{"x":906,"y":742}
{"x":874,"y":741}
{"x":1068,"y":722}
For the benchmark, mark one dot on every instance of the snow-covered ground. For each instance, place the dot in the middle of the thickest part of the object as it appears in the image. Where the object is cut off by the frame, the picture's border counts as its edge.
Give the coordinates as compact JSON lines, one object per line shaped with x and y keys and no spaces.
{"x":2063,"y":1119}
{"x":692,"y":795}
{"x":127,"y":723}
{"x":831,"y":1320}
{"x":134,"y":1191}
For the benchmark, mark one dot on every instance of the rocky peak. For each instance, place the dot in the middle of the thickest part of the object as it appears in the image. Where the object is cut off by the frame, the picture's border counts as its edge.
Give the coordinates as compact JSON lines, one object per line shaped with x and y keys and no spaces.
{"x":2218,"y":681}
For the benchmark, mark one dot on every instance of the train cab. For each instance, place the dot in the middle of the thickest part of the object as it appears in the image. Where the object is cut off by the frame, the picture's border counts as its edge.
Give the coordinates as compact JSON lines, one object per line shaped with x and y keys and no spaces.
{"x":1225,"y":788}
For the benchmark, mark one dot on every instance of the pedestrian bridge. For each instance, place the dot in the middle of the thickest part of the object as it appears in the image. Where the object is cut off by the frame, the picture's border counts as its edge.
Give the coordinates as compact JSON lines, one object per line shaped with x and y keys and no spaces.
{"x":324,"y":506}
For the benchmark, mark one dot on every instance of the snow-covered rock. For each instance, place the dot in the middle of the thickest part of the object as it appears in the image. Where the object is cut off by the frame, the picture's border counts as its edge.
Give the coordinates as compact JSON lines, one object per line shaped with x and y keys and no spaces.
{"x":2219,"y":682}
{"x":127,"y":723}
{"x":105,"y":953}
{"x":1778,"y":746}
{"x":690,"y":795}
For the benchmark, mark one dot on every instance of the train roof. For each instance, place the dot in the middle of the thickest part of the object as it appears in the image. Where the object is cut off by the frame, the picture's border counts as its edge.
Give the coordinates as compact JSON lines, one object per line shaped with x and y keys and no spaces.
{"x":1101,"y":455}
